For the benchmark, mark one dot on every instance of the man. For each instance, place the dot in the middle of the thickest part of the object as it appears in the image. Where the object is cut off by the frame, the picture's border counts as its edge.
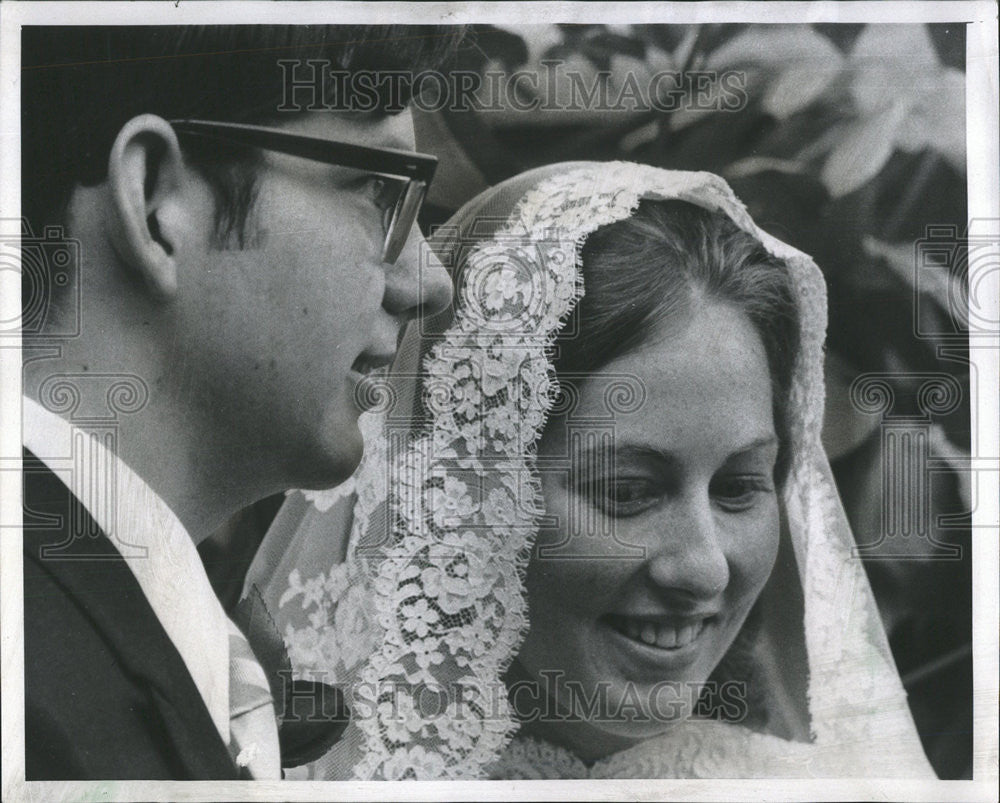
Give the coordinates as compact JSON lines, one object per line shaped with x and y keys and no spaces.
{"x":236,"y":287}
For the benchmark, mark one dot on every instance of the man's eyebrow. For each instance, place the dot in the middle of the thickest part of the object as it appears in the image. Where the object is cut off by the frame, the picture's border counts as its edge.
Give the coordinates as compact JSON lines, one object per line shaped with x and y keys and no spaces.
{"x":383,"y":139}
{"x":396,"y":143}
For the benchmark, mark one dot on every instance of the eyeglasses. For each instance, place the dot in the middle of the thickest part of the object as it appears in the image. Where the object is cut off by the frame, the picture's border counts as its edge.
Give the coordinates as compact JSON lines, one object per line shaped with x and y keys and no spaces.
{"x":407,"y":174}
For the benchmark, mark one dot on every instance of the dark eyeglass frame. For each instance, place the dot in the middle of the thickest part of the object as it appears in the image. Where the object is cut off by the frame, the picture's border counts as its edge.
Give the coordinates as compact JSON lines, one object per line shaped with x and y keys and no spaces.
{"x":416,"y":169}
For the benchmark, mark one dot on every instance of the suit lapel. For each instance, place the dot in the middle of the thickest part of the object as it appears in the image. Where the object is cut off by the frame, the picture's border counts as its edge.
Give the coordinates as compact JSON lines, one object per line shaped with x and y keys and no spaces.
{"x":80,"y":557}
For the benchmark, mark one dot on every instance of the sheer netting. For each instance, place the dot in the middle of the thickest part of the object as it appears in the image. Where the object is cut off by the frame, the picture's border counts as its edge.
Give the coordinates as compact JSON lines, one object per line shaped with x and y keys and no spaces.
{"x":406,"y":585}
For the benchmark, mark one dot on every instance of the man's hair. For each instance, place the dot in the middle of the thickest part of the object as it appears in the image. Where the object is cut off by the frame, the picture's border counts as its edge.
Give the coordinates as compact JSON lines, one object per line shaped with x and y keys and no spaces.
{"x":80,"y":85}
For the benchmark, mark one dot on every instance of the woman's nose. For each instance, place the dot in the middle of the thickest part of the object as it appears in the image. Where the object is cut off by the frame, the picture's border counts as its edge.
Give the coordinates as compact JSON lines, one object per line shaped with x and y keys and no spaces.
{"x":417,"y":282}
{"x":689,"y":555}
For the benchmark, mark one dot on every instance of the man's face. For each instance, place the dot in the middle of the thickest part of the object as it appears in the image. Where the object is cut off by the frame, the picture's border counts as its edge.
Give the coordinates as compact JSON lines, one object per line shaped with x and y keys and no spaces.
{"x":286,"y":329}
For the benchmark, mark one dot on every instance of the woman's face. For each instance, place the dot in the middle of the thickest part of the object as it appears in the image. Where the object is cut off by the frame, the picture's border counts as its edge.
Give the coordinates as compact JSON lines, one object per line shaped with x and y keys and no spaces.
{"x":664,"y":527}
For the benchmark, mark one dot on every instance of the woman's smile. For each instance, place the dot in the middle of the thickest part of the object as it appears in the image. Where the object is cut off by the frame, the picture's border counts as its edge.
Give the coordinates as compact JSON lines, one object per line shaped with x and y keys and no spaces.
{"x":646,"y":650}
{"x":666,"y":635}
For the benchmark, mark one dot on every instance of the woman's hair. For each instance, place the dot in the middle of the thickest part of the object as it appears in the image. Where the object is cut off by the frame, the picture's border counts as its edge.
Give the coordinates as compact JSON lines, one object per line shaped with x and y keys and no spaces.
{"x":656,"y":266}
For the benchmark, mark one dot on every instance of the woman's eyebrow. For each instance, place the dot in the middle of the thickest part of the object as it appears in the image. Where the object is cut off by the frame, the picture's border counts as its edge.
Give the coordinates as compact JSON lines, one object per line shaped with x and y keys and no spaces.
{"x":630,"y":451}
{"x":762,"y":442}
{"x":664,"y":457}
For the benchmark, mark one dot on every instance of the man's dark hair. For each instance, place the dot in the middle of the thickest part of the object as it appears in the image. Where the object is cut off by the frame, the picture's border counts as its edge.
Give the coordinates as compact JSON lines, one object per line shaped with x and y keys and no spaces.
{"x":80,"y":85}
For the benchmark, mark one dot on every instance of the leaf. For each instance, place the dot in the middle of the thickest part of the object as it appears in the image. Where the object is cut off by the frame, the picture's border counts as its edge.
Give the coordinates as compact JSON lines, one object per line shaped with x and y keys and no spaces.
{"x":888,"y":62}
{"x":862,"y":151}
{"x":842,"y":34}
{"x":776,"y":47}
{"x":902,"y":46}
{"x":798,"y":63}
{"x":640,"y":136}
{"x":714,"y":36}
{"x":689,"y":112}
{"x":601,"y":48}
{"x":613,"y":43}
{"x":501,"y":45}
{"x":537,"y":41}
{"x":938,"y":121}
{"x":666,"y":37}
{"x":940,"y":284}
{"x":957,"y":459}
{"x":797,"y":87}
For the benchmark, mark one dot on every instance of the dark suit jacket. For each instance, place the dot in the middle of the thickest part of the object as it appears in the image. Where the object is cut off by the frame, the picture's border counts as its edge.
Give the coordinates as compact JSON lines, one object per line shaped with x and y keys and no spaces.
{"x":107,"y":695}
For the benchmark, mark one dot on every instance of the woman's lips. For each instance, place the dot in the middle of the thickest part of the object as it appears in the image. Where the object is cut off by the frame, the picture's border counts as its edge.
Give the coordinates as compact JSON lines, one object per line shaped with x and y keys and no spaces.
{"x":664,"y":634}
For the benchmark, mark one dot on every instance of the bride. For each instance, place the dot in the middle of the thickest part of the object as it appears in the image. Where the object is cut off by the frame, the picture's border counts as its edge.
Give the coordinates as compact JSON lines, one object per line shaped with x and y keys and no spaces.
{"x":595,"y":533}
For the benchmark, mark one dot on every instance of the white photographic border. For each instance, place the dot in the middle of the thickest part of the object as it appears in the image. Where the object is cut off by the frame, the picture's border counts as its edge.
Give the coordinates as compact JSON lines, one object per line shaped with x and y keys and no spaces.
{"x":984,"y":208}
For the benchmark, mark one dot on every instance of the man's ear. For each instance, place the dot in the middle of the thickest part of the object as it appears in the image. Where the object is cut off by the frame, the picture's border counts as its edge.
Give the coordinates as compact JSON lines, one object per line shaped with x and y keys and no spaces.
{"x":145,"y":179}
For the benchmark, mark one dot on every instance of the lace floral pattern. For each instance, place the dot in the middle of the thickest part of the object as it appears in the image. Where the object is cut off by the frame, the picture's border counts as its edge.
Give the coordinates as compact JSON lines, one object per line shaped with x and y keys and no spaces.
{"x":340,"y":633}
{"x":446,"y":515}
{"x":709,"y":749}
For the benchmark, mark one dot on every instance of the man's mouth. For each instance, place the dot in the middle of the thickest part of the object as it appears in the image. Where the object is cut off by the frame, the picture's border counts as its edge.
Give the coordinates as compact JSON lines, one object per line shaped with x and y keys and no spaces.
{"x":666,"y":635}
{"x":372,"y":364}
{"x":367,"y":373}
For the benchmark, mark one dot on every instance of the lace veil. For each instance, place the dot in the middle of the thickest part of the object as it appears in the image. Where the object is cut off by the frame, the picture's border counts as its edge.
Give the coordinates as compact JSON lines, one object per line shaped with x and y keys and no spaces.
{"x":405,"y":584}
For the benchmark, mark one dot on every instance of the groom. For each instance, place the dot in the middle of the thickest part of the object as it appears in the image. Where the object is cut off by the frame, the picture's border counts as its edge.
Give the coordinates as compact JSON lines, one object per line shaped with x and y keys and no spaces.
{"x":205,"y":346}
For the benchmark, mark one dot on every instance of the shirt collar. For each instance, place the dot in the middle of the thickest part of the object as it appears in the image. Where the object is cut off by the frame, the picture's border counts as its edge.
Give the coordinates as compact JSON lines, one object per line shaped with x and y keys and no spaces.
{"x":157,"y":548}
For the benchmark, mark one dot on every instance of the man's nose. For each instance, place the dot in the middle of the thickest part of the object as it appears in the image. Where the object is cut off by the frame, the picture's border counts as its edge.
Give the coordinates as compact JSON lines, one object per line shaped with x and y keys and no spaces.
{"x":418,"y":282}
{"x":689,"y":555}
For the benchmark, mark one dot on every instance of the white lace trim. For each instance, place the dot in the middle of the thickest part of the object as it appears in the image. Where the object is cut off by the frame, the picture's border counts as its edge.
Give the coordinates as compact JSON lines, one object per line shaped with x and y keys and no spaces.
{"x":710,"y":749}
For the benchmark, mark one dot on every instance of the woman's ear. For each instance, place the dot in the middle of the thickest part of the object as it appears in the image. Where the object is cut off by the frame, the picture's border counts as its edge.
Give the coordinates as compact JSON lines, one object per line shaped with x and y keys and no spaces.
{"x":145,"y":176}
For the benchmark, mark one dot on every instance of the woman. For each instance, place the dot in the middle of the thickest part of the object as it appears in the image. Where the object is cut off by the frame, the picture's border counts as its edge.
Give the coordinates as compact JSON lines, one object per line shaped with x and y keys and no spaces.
{"x":667,"y":516}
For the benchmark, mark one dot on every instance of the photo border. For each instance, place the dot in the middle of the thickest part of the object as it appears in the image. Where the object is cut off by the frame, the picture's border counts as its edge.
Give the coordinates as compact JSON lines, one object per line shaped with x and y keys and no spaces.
{"x":984,"y":207}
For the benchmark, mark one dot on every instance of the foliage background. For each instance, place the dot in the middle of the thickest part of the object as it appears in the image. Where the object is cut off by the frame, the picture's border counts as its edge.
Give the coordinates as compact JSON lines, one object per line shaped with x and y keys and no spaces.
{"x":851,"y":145}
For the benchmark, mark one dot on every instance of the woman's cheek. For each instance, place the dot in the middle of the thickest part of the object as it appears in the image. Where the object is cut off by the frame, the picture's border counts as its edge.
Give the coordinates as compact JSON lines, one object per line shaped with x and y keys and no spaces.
{"x":754,"y":544}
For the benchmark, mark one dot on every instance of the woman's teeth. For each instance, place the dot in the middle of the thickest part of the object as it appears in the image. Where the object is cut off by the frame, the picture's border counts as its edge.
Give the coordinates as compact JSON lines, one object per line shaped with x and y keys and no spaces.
{"x":660,"y":635}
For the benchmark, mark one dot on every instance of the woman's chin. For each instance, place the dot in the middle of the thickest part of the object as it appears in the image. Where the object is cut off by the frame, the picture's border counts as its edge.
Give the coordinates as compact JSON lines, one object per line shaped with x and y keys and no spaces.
{"x":640,"y":710}
{"x":627,"y":733}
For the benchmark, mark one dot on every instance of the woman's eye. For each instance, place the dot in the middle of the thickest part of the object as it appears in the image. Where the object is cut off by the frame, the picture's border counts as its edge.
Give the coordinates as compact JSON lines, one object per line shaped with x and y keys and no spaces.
{"x":621,"y":497}
{"x":737,"y":493}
